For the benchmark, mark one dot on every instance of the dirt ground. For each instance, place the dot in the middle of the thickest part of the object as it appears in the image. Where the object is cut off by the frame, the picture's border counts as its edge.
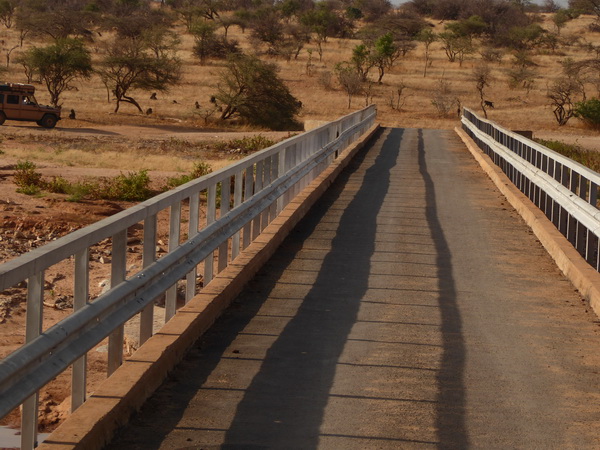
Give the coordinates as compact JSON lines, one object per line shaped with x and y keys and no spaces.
{"x":27,"y":222}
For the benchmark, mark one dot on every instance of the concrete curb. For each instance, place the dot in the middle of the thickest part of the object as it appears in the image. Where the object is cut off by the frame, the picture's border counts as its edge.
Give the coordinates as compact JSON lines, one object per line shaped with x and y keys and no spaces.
{"x":95,"y":422}
{"x":584,"y":277}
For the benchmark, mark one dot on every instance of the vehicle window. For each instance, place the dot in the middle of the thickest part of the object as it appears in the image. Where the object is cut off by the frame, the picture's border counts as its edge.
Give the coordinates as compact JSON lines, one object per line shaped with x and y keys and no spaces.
{"x":27,"y":100}
{"x":1,"y":99}
{"x":12,"y":99}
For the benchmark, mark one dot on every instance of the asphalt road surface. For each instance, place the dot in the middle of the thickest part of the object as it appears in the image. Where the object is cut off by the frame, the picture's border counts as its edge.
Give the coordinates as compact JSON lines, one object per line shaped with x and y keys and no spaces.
{"x":411,"y":309}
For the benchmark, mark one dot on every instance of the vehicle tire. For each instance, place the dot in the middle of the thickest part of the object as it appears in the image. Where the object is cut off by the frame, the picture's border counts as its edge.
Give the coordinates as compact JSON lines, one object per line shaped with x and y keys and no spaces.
{"x":48,"y":121}
{"x":2,"y":117}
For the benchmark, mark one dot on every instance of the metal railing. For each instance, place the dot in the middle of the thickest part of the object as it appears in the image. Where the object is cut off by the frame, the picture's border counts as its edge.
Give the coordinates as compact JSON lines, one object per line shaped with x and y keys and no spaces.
{"x":566,"y":191}
{"x":240,"y":201}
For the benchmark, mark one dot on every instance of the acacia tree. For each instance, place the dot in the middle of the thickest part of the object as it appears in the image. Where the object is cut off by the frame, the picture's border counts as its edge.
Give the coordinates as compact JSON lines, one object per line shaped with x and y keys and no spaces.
{"x":349,"y":79}
{"x":58,"y":65}
{"x":586,"y":6}
{"x":251,"y":89}
{"x":561,"y":94}
{"x":7,"y":12}
{"x":385,"y":53}
{"x":482,"y":76}
{"x":131,"y":64}
{"x":427,"y":37}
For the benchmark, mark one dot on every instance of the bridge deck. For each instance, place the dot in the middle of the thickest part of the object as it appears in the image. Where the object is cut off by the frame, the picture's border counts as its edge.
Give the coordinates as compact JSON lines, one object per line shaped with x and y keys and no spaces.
{"x":411,"y":308}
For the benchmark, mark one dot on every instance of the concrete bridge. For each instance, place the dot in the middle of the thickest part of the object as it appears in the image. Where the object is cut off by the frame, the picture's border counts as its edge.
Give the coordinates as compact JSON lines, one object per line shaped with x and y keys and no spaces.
{"x":412,"y":307}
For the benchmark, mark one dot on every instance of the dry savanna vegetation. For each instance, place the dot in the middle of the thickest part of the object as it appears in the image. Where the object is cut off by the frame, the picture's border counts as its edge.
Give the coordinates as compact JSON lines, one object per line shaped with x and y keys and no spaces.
{"x":517,"y":82}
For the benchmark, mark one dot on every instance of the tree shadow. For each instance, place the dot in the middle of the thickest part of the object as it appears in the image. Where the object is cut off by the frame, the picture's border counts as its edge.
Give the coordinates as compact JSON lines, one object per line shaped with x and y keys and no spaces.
{"x":285,"y":403}
{"x":450,"y":416}
{"x":162,"y":412}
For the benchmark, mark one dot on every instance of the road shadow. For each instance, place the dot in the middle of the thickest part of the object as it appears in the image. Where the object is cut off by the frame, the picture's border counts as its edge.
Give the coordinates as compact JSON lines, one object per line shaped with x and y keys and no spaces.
{"x":450,"y":414}
{"x":284,"y":405}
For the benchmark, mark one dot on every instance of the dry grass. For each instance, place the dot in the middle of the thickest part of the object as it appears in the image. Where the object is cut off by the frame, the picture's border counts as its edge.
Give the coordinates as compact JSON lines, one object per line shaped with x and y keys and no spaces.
{"x":515,"y":108}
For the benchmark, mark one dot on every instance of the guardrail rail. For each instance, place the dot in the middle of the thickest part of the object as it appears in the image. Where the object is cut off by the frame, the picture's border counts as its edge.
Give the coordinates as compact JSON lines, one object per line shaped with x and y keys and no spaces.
{"x":566,"y":191}
{"x":239,"y":201}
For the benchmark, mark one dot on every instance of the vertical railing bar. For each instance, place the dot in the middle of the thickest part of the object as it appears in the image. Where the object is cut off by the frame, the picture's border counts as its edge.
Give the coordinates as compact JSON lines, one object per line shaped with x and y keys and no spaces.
{"x":148,"y":257}
{"x":264,"y":221}
{"x":237,"y":201}
{"x":80,"y":299}
{"x":33,"y":328}
{"x":281,"y":158}
{"x":211,"y":216}
{"x":117,"y":275}
{"x":193,"y":226}
{"x":174,"y":238}
{"x":273,"y":212}
{"x":258,"y":185}
{"x":225,"y":199}
{"x":248,"y":192}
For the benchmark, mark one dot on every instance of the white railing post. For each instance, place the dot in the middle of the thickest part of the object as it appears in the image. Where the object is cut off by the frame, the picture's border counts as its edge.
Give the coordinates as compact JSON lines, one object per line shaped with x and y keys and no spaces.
{"x":193,"y":227}
{"x":80,"y":299}
{"x":211,"y":215}
{"x":148,"y":257}
{"x":117,"y":275}
{"x":225,"y":200}
{"x":33,"y":328}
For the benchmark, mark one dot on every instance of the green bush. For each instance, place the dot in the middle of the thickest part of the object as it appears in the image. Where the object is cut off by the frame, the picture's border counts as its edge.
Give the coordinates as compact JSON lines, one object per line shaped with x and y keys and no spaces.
{"x":58,"y":185}
{"x":133,"y":186}
{"x":26,"y":175}
{"x":29,"y":190}
{"x":589,"y":112}
{"x":200,"y":169}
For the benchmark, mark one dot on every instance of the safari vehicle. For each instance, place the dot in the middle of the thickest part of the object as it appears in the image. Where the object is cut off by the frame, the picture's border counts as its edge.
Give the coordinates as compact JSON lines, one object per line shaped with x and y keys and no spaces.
{"x":17,"y":102}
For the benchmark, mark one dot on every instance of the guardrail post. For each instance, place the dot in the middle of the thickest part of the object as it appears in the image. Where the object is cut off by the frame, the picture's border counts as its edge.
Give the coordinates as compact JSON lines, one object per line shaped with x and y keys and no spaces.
{"x":193,"y":226}
{"x":562,"y":218}
{"x":174,"y":236}
{"x":225,"y":200}
{"x":117,"y":275}
{"x":281,"y":169}
{"x":237,"y":201}
{"x":211,"y":215}
{"x":266,"y":181}
{"x":148,"y":257}
{"x":80,"y":299}
{"x":258,"y":185}
{"x":274,"y":210}
{"x":33,"y":328}
{"x":248,"y":192}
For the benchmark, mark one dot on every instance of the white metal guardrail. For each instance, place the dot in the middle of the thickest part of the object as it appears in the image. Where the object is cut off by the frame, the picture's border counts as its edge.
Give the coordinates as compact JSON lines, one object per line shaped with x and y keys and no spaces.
{"x":241,"y":200}
{"x":566,"y":191}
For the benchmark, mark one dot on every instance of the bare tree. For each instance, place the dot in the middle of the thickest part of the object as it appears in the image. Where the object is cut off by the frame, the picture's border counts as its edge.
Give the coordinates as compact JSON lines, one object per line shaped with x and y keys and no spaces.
{"x":561,"y":94}
{"x":398,"y":98}
{"x":349,"y":79}
{"x":427,"y":37}
{"x":482,"y":76}
{"x":443,"y":99}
